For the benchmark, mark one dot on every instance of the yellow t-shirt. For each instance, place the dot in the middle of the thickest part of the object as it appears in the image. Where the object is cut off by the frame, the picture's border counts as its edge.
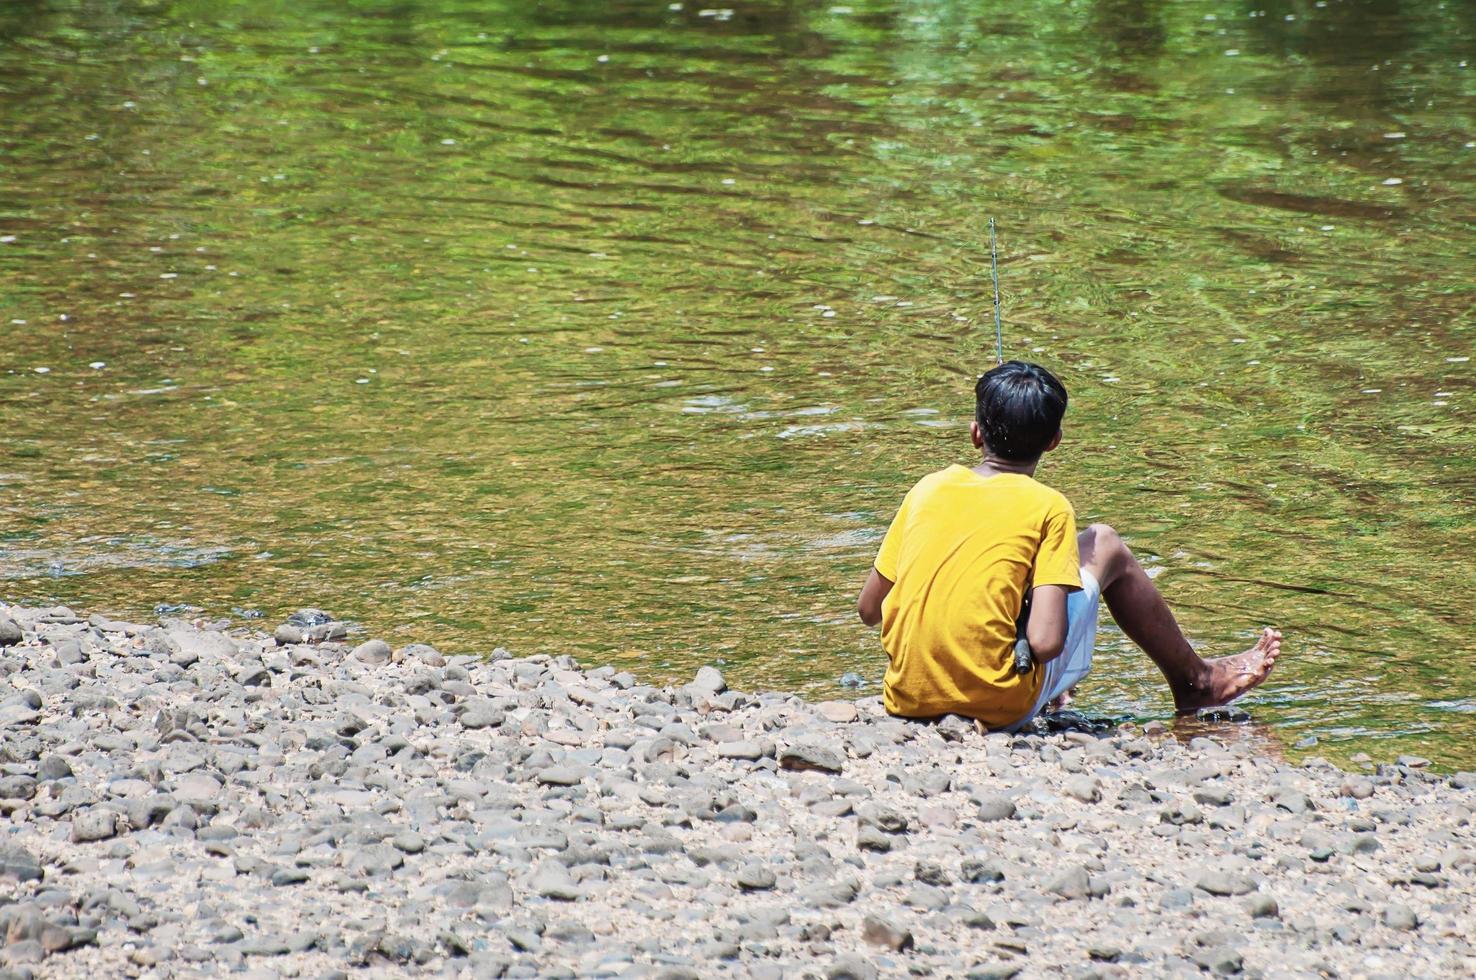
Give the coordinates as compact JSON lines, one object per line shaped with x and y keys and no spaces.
{"x":961,"y":552}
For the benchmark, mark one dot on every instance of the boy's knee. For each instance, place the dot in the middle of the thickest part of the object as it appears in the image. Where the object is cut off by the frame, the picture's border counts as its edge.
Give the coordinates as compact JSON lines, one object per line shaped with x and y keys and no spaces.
{"x":1101,"y":545}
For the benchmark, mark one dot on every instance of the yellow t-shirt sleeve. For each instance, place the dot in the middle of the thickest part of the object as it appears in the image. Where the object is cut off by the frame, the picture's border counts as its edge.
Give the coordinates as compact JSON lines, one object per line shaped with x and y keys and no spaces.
{"x":890,"y":553}
{"x":1058,"y":561}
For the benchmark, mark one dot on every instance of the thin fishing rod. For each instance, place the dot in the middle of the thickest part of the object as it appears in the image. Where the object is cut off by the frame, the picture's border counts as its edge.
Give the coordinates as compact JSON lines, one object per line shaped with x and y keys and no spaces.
{"x":1024,"y":659}
{"x":994,"y":271}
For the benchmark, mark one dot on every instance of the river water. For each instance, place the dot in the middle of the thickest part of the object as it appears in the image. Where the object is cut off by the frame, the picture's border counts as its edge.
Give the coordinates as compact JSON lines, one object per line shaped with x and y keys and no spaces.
{"x":619,"y":329}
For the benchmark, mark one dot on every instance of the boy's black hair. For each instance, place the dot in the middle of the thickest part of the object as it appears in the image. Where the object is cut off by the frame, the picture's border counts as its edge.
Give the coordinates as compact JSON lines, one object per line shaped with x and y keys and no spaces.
{"x":1019,"y":407}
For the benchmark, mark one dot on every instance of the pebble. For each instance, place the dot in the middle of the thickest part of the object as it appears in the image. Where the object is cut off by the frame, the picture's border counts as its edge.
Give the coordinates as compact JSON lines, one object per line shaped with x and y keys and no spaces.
{"x":880,"y":930}
{"x":481,"y":716}
{"x":552,"y":880}
{"x":840,"y":712}
{"x":94,"y":824}
{"x":747,"y":750}
{"x":1224,"y":883}
{"x":851,"y":966}
{"x":176,"y":799}
{"x":1072,"y":882}
{"x":19,"y":864}
{"x":710,"y":680}
{"x":810,"y":758}
{"x":1084,"y":788}
{"x":563,"y":775}
{"x":375,"y":652}
{"x":1263,"y":906}
{"x":756,"y":877}
{"x":1400,"y":917}
{"x":995,"y":806}
{"x":409,"y":842}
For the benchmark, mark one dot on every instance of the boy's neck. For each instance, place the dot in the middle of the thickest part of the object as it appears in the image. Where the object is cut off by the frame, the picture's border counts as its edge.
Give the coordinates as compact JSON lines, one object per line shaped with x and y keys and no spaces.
{"x":992,"y":465}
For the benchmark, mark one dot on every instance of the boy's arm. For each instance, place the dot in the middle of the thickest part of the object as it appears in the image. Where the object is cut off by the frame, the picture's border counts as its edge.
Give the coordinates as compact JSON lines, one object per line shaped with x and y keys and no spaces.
{"x":1056,"y":572}
{"x":869,"y":603}
{"x":1046,"y":629}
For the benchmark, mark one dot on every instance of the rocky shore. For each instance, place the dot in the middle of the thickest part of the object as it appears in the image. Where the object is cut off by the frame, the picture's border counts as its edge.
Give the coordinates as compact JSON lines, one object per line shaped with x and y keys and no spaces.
{"x":180,"y":801}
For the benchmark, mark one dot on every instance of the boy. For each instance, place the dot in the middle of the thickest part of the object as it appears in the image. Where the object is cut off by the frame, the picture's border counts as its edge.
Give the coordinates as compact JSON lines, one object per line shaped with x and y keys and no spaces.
{"x":968,"y":545}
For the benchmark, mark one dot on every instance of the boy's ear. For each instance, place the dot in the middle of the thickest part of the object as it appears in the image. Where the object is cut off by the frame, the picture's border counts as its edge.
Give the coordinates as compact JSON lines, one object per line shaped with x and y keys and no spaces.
{"x":976,"y":435}
{"x":1055,"y":441}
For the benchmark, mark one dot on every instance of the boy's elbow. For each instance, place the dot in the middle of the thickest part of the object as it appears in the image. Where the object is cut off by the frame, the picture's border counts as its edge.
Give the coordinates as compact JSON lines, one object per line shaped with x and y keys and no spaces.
{"x":870,"y":615}
{"x":1048,"y":651}
{"x":1046,"y":644}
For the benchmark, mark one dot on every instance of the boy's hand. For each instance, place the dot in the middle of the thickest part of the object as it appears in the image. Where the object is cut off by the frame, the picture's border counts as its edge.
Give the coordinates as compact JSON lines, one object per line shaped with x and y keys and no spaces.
{"x":869,"y":603}
{"x":1046,"y":629}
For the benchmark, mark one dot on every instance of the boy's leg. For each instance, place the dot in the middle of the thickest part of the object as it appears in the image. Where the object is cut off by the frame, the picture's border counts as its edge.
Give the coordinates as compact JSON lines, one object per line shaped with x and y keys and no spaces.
{"x":1144,"y":616}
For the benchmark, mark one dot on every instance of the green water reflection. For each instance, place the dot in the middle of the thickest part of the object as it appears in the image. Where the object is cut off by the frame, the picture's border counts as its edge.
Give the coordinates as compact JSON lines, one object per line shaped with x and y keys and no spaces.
{"x":620,"y":328}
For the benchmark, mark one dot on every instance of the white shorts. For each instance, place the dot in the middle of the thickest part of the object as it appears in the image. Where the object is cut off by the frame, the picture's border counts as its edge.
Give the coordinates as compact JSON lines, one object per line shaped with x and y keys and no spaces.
{"x":1067,"y":670}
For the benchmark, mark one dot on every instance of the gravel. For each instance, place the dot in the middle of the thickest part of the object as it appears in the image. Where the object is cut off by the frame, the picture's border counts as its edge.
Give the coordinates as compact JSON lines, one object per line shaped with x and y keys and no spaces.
{"x":176,"y":800}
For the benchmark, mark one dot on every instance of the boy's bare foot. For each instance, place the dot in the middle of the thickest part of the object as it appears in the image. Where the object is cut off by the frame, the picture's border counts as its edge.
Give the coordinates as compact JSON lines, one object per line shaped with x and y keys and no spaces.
{"x":1230,"y":677}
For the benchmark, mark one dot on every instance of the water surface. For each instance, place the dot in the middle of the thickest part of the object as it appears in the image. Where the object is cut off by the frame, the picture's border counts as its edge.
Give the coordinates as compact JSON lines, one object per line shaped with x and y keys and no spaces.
{"x":620,"y":328}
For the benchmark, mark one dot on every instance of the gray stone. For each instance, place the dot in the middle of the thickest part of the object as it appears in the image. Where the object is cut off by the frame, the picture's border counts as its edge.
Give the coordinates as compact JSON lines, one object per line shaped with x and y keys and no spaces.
{"x":1221,"y":961}
{"x":1218,"y":882}
{"x":1084,"y":788}
{"x":710,"y":680}
{"x":869,"y":838}
{"x":223,"y":932}
{"x":880,"y":930}
{"x":481,"y":716}
{"x":1177,"y":898}
{"x":10,"y":632}
{"x":552,"y":880}
{"x":373,"y":652}
{"x":422,"y":653}
{"x":409,"y":842}
{"x":1400,"y":917}
{"x":57,"y":939}
{"x":1213,"y":796}
{"x":926,"y":897}
{"x":18,"y":863}
{"x":851,"y":966}
{"x":756,"y":877}
{"x":146,"y":811}
{"x":840,"y":712}
{"x":829,"y":894}
{"x":978,"y":871}
{"x":747,"y":750}
{"x":1262,"y":906}
{"x":265,"y":946}
{"x":814,"y":758}
{"x":17,"y":787}
{"x":1072,"y":882}
{"x":995,"y":806}
{"x":931,"y":873}
{"x":308,"y":617}
{"x":94,"y":824}
{"x":23,"y":952}
{"x":882,"y":817}
{"x":53,"y":767}
{"x":563,"y":775}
